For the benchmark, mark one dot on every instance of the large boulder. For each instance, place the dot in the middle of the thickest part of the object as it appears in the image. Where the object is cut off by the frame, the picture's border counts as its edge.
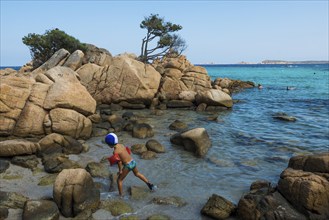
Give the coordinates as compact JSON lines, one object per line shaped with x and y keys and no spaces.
{"x":16,"y":147}
{"x":69,"y":122}
{"x":126,"y":79}
{"x":74,"y":191}
{"x":195,"y":140}
{"x":67,"y":92}
{"x":214,"y":97}
{"x":56,"y":143}
{"x":305,"y":184}
{"x":218,"y":207}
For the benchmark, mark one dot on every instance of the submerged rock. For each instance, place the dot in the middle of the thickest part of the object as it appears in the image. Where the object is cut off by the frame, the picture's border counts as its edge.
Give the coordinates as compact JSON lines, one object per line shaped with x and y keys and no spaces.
{"x":284,"y":117}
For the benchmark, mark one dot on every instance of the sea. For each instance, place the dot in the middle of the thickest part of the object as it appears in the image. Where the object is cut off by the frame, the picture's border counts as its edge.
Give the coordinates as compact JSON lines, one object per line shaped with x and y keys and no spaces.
{"x":248,"y":143}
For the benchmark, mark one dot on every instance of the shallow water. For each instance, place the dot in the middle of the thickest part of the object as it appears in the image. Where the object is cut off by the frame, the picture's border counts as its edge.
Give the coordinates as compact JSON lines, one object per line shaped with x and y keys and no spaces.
{"x":247,"y":143}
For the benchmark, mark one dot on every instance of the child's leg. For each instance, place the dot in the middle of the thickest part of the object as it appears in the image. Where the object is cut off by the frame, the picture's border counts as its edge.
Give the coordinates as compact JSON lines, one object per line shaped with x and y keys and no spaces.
{"x":139,"y":175}
{"x":120,"y":180}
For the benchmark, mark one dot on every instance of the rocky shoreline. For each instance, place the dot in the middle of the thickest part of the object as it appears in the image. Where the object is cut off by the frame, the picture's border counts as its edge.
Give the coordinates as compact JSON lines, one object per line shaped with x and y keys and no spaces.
{"x":47,"y":114}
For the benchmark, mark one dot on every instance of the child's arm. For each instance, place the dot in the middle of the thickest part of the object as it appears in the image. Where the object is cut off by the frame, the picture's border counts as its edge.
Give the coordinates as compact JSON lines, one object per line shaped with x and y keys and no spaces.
{"x":120,"y":167}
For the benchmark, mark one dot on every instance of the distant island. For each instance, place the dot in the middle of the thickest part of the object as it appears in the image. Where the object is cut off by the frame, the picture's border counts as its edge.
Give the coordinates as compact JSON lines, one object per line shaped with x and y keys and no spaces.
{"x":288,"y":62}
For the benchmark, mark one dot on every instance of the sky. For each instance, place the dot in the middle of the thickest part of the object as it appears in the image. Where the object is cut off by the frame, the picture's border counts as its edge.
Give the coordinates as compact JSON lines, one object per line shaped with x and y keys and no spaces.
{"x":223,"y":32}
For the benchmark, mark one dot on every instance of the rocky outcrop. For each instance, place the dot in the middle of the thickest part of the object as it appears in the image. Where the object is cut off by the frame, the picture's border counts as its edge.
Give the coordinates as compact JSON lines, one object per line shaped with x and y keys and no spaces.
{"x":29,"y":106}
{"x":195,"y":140}
{"x":230,"y":85}
{"x":74,"y":191}
{"x":302,"y":192}
{"x":305,"y":184}
{"x":126,"y":79}
{"x":179,"y":76}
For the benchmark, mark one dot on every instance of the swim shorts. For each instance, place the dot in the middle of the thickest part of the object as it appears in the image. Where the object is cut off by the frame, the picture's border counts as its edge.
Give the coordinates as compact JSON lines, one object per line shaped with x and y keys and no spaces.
{"x":130,"y":166}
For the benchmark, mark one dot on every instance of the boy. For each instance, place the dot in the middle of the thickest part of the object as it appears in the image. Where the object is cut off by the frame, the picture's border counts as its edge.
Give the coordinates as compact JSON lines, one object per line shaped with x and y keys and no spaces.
{"x":126,"y":163}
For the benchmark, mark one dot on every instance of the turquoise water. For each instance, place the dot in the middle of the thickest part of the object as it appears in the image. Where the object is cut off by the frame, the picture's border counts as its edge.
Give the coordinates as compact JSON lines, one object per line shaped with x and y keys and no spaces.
{"x":247,"y":143}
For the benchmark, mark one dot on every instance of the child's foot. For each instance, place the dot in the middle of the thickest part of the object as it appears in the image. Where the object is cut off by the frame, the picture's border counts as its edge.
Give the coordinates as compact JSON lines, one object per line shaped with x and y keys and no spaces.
{"x":151,"y":186}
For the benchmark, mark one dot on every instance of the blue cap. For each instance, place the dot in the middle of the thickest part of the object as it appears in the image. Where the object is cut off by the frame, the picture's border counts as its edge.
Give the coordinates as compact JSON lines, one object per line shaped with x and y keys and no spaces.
{"x":111,"y":139}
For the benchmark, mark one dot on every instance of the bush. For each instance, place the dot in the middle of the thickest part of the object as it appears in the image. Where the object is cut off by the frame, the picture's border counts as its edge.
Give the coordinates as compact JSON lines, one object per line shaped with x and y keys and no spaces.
{"x":42,"y":47}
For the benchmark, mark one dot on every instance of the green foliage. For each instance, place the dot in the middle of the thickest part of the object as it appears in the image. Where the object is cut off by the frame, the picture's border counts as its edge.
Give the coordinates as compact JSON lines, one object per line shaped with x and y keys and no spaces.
{"x":42,"y":47}
{"x":166,"y":44}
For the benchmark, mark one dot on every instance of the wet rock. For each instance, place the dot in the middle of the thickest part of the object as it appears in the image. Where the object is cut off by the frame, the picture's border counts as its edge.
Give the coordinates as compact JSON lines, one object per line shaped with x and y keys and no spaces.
{"x":201,"y":107}
{"x":142,"y":131}
{"x":284,"y":117}
{"x":3,"y":212}
{"x":99,"y":132}
{"x":318,"y":163}
{"x":155,"y":146}
{"x":130,"y":217}
{"x":139,"y":192}
{"x":117,"y":122}
{"x":55,"y":163}
{"x":75,"y":191}
{"x":194,"y":140}
{"x":30,"y":162}
{"x":116,"y":207}
{"x":12,"y":200}
{"x":138,"y":148}
{"x":129,"y":116}
{"x":148,"y":155}
{"x":218,"y":207}
{"x":98,"y":170}
{"x":16,"y":147}
{"x":177,"y":125}
{"x":260,"y":184}
{"x":47,"y":180}
{"x":4,"y":165}
{"x":262,"y":205}
{"x":40,"y":209}
{"x":179,"y":104}
{"x":306,"y":191}
{"x":158,"y":217}
{"x":171,"y":200}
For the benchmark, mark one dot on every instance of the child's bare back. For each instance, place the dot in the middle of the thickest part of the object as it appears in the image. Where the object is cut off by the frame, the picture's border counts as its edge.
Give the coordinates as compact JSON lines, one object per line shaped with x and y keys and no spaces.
{"x":123,"y":153}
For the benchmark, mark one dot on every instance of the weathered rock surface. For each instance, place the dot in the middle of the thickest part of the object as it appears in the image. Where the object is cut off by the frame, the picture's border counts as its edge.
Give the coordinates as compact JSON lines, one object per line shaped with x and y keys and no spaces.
{"x":178,"y":76}
{"x":56,"y":143}
{"x":26,"y":101}
{"x":125,"y":79}
{"x":17,"y":147}
{"x":218,"y":207}
{"x":214,"y":97}
{"x":116,"y":207}
{"x":195,"y":140}
{"x":40,"y":209}
{"x":306,"y":185}
{"x":74,"y":191}
{"x":12,"y":200}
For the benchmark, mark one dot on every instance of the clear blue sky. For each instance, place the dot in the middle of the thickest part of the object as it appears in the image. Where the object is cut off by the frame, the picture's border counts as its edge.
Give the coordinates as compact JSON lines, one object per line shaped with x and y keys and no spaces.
{"x":215,"y":31}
